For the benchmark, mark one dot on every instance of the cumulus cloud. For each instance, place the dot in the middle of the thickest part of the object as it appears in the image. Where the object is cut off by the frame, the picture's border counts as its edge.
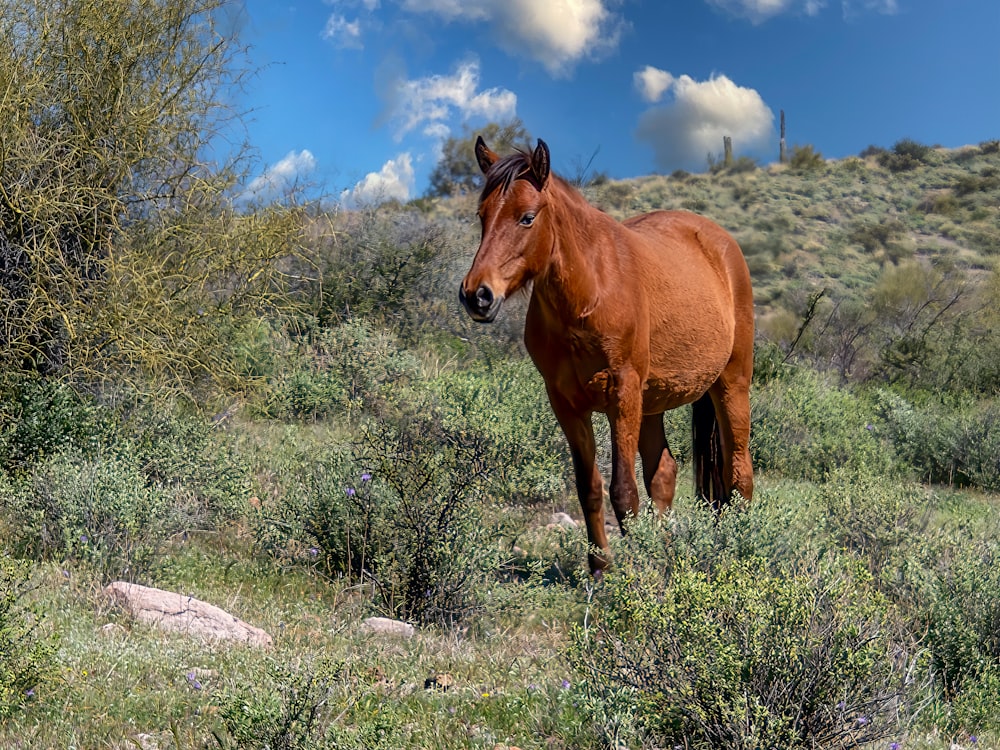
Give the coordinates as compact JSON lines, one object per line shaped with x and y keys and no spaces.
{"x":652,"y":82}
{"x":556,"y":33}
{"x":692,"y":123}
{"x":428,"y":102}
{"x":393,"y":182}
{"x":281,"y":177}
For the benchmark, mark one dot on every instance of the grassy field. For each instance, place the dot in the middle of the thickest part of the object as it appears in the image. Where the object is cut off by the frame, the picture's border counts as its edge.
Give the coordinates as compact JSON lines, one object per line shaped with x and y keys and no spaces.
{"x":386,"y":457}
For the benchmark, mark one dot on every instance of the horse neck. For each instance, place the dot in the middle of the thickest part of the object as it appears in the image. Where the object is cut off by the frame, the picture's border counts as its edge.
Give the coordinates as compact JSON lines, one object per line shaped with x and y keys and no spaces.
{"x":573,"y":283}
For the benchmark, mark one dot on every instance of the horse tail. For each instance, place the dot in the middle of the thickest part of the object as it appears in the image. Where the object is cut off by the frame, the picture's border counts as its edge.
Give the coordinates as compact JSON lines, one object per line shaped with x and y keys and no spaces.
{"x":707,"y":453}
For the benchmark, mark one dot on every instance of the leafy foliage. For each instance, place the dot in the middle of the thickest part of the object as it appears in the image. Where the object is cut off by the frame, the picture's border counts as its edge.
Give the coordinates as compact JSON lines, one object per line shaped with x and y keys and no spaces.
{"x":727,"y":653}
{"x":26,"y":654}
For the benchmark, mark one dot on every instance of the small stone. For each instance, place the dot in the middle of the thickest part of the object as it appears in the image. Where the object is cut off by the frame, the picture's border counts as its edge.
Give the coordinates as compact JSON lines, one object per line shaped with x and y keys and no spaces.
{"x":441,"y":681}
{"x":565,"y":520}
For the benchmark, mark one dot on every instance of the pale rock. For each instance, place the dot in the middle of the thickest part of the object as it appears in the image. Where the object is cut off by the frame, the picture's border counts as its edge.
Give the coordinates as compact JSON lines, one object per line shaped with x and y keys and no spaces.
{"x":387,"y":626}
{"x":180,"y":613}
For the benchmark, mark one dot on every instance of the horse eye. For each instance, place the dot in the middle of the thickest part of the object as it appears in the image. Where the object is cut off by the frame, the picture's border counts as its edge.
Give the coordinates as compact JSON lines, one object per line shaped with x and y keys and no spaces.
{"x":527,"y":220}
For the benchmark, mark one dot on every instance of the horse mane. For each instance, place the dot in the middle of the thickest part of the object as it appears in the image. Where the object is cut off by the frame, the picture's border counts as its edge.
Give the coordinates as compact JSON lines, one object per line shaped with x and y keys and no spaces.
{"x":505,"y":171}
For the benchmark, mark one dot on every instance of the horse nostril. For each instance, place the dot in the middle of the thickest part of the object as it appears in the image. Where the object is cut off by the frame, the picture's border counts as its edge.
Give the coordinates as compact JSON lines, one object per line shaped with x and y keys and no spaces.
{"x":484,"y":297}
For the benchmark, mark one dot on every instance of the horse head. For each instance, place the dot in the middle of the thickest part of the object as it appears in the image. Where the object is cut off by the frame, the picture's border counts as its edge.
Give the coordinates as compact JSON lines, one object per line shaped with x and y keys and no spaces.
{"x":517,"y":231}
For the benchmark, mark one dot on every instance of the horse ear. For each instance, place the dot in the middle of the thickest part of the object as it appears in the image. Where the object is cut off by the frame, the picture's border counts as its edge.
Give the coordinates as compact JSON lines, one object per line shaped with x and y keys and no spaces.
{"x":540,"y":163}
{"x":484,"y":156}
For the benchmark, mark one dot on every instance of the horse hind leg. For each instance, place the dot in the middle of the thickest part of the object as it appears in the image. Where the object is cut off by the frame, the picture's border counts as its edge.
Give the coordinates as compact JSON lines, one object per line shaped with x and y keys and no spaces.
{"x":659,"y":469}
{"x":730,"y":396}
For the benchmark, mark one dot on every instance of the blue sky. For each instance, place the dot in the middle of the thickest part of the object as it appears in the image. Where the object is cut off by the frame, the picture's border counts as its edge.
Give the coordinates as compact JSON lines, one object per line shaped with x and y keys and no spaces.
{"x":356,"y":96}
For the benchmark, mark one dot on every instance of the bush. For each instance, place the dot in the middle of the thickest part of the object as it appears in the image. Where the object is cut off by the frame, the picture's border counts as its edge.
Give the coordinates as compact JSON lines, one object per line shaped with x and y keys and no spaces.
{"x":906,"y":154}
{"x":964,"y":619}
{"x":193,"y":461}
{"x":95,"y":511}
{"x":806,"y":159}
{"x":402,"y":512}
{"x":507,"y":406}
{"x":351,"y":367}
{"x":40,"y":417}
{"x":734,"y":655}
{"x":290,"y":709}
{"x":26,"y":656}
{"x":956,"y":444}
{"x":804,"y":426}
{"x":884,"y":525}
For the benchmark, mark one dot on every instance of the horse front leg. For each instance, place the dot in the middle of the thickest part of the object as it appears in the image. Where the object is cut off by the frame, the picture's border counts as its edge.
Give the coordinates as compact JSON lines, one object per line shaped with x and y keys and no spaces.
{"x":579,"y":431}
{"x":625,"y":418}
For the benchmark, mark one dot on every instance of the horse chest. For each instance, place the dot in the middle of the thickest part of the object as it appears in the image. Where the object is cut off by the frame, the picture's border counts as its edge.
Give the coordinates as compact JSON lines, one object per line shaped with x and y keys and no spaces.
{"x":574,"y":364}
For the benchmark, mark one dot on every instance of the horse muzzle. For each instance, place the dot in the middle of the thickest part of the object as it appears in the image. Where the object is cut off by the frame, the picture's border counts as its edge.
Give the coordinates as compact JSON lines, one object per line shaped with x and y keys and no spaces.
{"x":482,"y":306}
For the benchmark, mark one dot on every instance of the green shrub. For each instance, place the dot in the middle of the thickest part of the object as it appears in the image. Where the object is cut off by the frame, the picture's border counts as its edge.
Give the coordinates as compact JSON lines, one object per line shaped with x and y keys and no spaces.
{"x":40,"y":417}
{"x":26,"y":656}
{"x":964,"y":619}
{"x":289,"y":708}
{"x":957,"y":444}
{"x":735,"y":655}
{"x":97,"y":511}
{"x":805,"y":426}
{"x":194,"y":461}
{"x":507,"y":406}
{"x":806,"y":159}
{"x":906,"y":154}
{"x":350,"y":369}
{"x":884,"y":525}
{"x":403,"y":512}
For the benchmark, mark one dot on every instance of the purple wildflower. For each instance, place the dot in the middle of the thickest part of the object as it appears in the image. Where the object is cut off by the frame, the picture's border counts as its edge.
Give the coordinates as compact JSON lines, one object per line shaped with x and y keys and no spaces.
{"x":313,"y":551}
{"x":349,"y":491}
{"x":565,"y":684}
{"x":862,"y":720}
{"x":366,"y":477}
{"x":973,"y":739}
{"x":192,"y":679}
{"x":894,"y":746}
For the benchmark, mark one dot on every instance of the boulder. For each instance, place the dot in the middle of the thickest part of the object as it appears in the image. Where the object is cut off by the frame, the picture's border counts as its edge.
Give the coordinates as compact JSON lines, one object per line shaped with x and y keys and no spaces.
{"x":180,"y":613}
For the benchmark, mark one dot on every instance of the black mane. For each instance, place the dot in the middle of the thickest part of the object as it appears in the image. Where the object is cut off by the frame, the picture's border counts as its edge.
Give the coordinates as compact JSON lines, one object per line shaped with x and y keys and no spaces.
{"x":505,"y":171}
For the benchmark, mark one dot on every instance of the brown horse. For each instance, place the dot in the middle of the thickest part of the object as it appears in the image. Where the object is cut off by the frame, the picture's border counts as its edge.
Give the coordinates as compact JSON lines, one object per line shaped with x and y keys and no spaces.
{"x":627,"y":318}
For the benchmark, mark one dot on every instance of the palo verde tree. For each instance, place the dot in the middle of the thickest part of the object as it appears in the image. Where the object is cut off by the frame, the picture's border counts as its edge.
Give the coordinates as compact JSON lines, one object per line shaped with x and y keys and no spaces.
{"x":121,"y":250}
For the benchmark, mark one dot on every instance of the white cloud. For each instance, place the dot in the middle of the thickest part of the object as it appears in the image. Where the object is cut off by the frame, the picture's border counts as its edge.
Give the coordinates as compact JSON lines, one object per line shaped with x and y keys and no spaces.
{"x":652,"y":82}
{"x":683,"y":131}
{"x":758,"y":11}
{"x":343,"y":33}
{"x":429,"y":101}
{"x":556,"y":33}
{"x":281,"y":177}
{"x":393,"y":182}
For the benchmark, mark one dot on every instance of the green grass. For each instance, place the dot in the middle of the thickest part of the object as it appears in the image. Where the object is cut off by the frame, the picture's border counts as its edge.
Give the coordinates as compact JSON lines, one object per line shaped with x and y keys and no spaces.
{"x":115,"y":681}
